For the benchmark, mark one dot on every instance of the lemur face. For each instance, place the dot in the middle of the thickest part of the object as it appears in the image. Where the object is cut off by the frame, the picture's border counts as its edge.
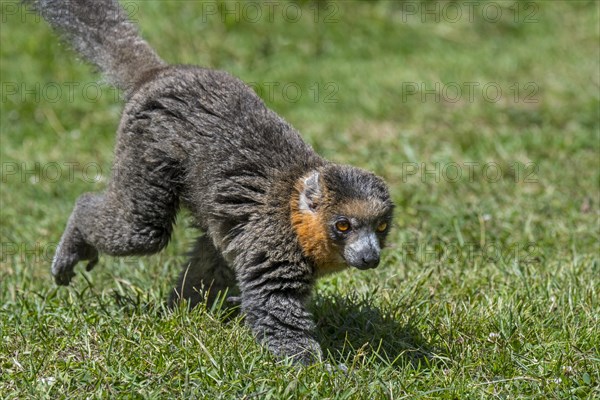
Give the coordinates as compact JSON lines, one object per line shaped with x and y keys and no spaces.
{"x":341,"y":216}
{"x":359,"y":238}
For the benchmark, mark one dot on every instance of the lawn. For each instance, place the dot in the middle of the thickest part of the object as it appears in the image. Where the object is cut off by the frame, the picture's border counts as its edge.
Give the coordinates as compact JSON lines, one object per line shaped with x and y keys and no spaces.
{"x":482,"y":116}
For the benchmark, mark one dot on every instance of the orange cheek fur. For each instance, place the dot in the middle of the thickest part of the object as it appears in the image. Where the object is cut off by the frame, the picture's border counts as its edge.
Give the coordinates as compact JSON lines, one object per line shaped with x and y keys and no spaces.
{"x":314,"y":240}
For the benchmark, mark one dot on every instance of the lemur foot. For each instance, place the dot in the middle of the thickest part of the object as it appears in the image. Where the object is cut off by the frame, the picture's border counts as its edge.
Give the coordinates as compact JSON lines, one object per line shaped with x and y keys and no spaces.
{"x":69,"y":252}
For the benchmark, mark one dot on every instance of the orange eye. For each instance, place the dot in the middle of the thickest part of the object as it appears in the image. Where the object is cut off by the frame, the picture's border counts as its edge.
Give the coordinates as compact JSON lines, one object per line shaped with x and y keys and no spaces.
{"x":382,"y":227}
{"x":342,"y":226}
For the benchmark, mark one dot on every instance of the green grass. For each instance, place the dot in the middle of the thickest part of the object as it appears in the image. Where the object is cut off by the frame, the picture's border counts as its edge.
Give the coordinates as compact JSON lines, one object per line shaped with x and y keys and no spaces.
{"x":490,"y":287}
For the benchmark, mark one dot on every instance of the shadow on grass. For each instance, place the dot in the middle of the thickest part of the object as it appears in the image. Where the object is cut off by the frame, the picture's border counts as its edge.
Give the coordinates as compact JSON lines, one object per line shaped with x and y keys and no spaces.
{"x":348,"y":327}
{"x":224,"y":307}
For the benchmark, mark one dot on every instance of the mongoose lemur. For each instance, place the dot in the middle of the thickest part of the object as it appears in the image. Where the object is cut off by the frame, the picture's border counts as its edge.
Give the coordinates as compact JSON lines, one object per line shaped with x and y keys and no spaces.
{"x":275,"y":215}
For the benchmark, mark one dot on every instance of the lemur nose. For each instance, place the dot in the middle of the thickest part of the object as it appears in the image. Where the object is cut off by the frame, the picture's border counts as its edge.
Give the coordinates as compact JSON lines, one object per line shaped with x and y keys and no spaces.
{"x":371,"y":261}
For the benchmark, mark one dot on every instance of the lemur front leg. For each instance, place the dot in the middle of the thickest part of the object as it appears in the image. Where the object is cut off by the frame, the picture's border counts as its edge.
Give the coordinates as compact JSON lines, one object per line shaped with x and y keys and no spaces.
{"x":274,"y":300}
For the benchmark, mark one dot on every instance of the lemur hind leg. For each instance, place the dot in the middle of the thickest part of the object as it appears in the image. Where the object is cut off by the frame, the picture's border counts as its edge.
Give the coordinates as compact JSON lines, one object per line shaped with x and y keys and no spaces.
{"x":205,"y":274}
{"x":133,"y":217}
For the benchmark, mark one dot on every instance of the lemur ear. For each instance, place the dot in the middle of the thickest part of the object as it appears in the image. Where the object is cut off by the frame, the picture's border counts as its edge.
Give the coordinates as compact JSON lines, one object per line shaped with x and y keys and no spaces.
{"x":311,"y":193}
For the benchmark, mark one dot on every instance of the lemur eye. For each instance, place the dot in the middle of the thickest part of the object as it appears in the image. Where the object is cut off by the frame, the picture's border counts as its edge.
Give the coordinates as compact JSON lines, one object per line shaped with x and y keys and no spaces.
{"x":342,"y":225}
{"x":382,"y":227}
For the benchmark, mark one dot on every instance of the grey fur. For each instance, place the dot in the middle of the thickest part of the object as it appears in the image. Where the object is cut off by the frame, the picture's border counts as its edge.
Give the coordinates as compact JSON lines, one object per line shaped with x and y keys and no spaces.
{"x":205,"y":263}
{"x":101,"y":32}
{"x":202,"y":139}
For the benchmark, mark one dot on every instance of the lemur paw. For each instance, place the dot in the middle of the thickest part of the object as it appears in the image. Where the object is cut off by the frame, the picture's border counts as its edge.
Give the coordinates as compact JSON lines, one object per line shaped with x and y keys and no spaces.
{"x":67,"y":256}
{"x":336,"y":369}
{"x":92,"y":263}
{"x":62,"y":268}
{"x":234,"y":300}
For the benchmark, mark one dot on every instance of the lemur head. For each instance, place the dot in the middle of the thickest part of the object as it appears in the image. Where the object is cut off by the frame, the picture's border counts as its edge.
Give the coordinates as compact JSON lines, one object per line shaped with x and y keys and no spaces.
{"x":341,"y":216}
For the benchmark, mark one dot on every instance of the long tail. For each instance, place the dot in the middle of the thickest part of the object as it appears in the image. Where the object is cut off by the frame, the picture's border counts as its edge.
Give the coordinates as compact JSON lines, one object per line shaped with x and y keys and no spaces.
{"x":102,"y":33}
